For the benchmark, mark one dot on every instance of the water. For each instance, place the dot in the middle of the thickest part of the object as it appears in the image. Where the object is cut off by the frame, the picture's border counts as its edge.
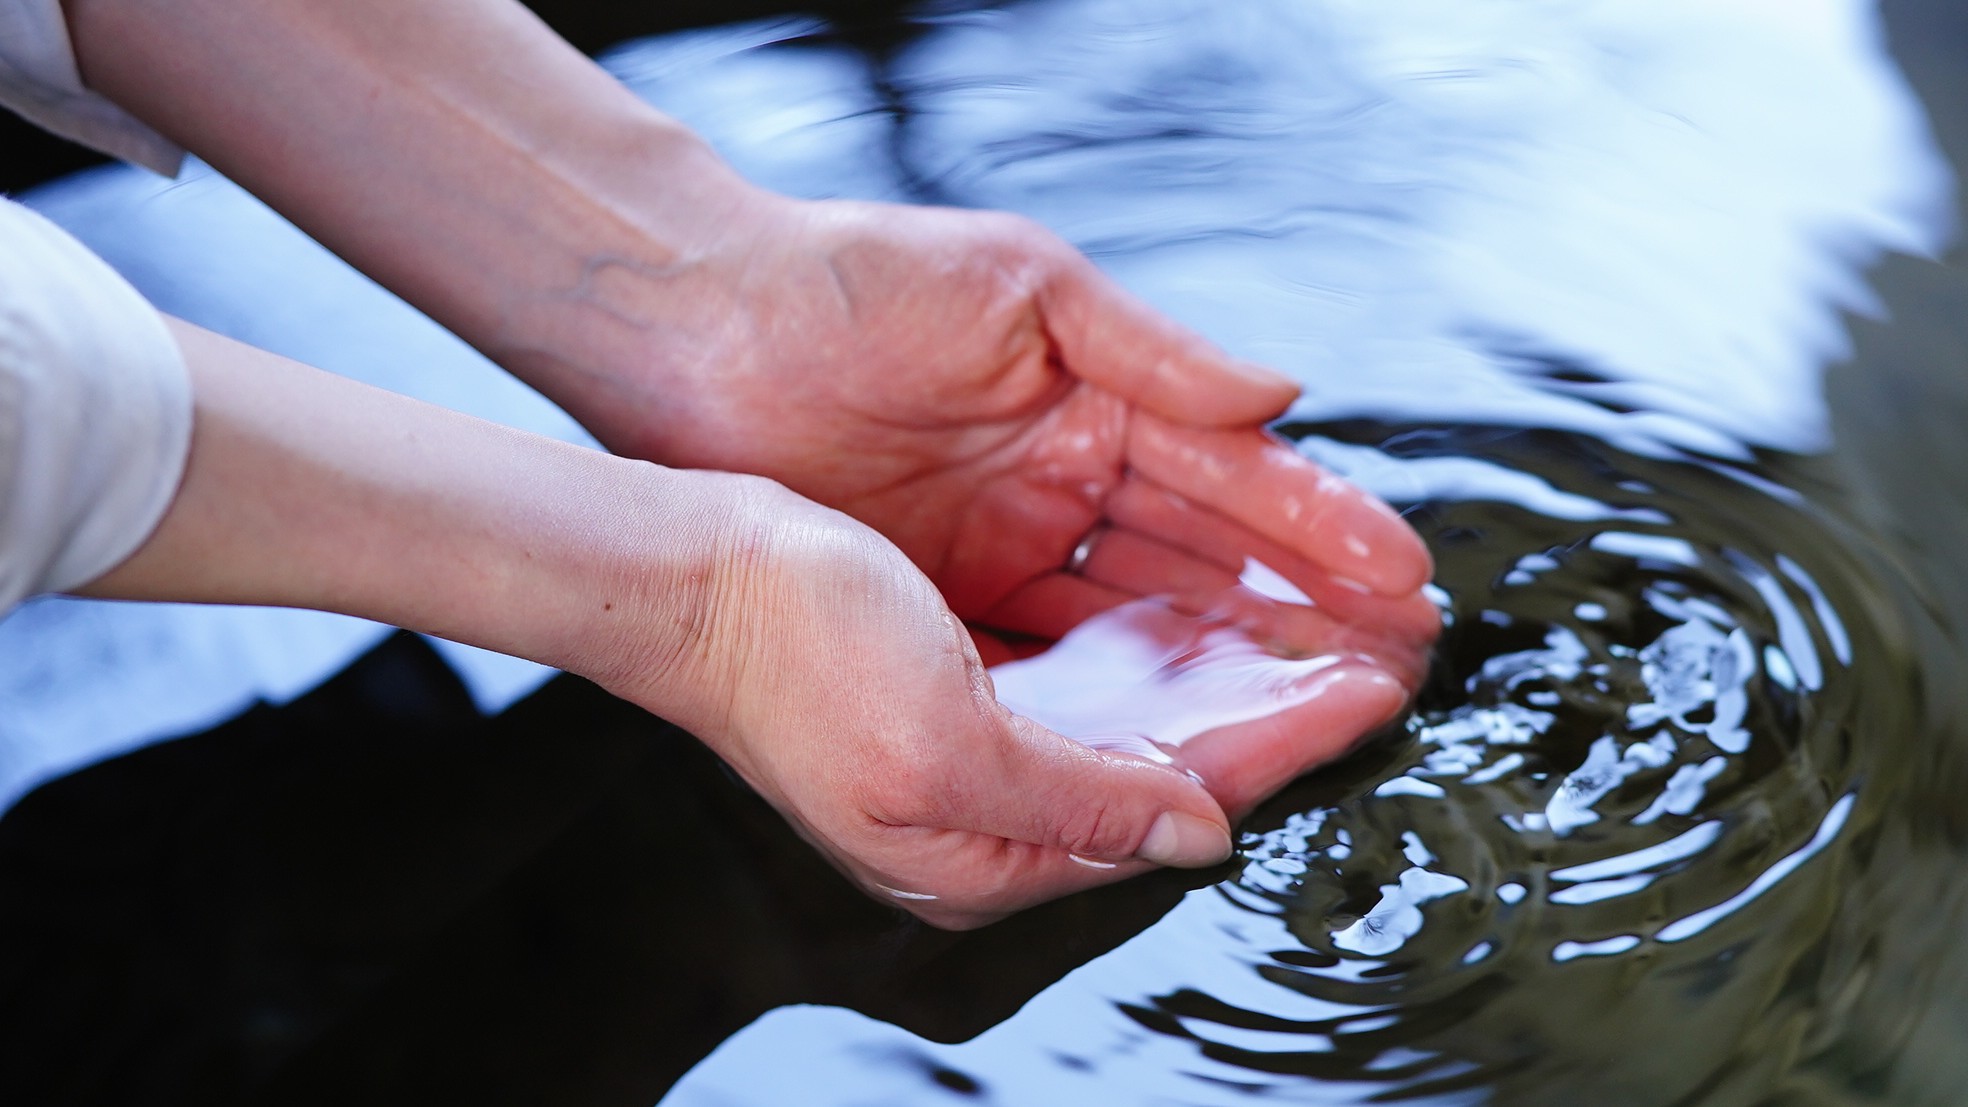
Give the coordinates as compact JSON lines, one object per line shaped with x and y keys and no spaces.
{"x":1675,"y":819}
{"x":1668,"y":825}
{"x":1562,"y":280}
{"x":1619,"y":853}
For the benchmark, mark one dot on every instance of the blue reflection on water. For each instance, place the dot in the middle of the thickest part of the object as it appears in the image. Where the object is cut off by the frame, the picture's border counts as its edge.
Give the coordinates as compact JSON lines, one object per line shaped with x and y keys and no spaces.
{"x":1633,"y":221}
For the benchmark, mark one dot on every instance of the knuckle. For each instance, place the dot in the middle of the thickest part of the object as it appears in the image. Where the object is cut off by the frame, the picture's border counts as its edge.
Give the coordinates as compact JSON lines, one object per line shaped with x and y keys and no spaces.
{"x":1100,"y":831}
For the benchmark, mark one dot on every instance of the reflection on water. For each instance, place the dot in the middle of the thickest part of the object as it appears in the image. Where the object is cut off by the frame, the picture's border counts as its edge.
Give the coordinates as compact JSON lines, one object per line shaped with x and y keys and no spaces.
{"x":1620,"y":847}
{"x":1675,"y":820}
{"x":1561,"y":279}
{"x":1151,"y":674}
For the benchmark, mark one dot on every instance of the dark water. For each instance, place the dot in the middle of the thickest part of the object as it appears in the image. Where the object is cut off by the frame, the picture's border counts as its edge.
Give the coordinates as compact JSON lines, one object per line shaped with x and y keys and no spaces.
{"x":1626,"y":306}
{"x":1632,"y":845}
{"x":1672,"y":823}
{"x":1672,"y":820}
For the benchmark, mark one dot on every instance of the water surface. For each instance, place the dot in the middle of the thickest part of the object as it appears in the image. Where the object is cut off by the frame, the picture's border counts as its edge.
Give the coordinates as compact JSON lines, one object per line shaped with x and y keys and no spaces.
{"x":1624,"y":303}
{"x":1562,"y":281}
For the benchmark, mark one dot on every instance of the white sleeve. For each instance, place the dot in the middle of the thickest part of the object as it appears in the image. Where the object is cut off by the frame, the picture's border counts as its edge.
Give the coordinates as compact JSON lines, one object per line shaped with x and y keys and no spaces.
{"x":95,"y":412}
{"x":39,"y":79}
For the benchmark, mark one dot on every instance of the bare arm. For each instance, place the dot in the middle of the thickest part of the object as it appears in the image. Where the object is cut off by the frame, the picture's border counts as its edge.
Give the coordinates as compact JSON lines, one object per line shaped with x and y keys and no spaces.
{"x":877,"y":359}
{"x":799,"y":644}
{"x":456,"y":150}
{"x":963,"y":383}
{"x":305,"y":489}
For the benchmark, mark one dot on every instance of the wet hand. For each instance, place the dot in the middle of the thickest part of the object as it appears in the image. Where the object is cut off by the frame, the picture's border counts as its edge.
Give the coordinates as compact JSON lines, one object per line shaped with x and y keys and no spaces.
{"x":832,"y":676}
{"x":1037,"y":441}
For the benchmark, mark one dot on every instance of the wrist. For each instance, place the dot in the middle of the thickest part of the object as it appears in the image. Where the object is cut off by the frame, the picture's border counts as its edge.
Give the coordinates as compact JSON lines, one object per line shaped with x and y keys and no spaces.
{"x":682,"y":605}
{"x":510,"y":210}
{"x":638,"y":284}
{"x":308,"y":490}
{"x":638,"y":588}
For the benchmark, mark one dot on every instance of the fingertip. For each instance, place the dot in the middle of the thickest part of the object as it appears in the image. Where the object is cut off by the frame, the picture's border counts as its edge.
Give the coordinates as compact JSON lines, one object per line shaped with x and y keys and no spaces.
{"x":1244,"y":764}
{"x":1384,"y":693}
{"x":1237,"y":393}
{"x":1264,"y":483}
{"x":1361,"y":540}
{"x":1200,"y":386}
{"x":1275,"y":383}
{"x":1408,"y":562}
{"x":1180,"y":840}
{"x":1052,"y":791}
{"x":1110,"y":338}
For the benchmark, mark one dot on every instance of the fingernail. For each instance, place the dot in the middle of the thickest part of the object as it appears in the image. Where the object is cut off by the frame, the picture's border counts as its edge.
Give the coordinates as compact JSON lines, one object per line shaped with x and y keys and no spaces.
{"x":1184,"y":842}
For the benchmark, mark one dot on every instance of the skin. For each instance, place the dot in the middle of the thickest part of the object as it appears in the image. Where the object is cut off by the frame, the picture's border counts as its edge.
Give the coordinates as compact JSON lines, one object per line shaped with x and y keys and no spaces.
{"x":934,"y":408}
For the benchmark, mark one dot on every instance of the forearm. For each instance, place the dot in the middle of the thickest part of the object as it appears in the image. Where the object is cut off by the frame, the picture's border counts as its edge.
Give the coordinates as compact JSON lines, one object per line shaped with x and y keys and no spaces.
{"x":456,"y":150}
{"x":304,"y":489}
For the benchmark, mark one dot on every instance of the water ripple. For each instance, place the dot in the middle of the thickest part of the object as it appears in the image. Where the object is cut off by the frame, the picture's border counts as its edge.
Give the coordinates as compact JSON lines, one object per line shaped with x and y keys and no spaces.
{"x":1633,"y":779}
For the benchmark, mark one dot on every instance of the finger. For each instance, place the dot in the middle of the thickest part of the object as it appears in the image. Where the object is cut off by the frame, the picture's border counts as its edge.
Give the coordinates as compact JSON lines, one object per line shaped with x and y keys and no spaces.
{"x":1154,"y":670}
{"x":1243,"y":764}
{"x":1132,"y":562}
{"x":1044,"y":789}
{"x":1006,"y":535}
{"x":1053,"y":604}
{"x":1109,"y":338}
{"x":1142,"y":506}
{"x":1001,"y":877}
{"x":960,"y":878}
{"x":1266,"y":486}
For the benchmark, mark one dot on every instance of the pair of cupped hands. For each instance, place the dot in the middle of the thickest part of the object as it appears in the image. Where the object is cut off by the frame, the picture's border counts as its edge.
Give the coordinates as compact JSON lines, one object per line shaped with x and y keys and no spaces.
{"x":933,"y":409}
{"x":983,"y":442}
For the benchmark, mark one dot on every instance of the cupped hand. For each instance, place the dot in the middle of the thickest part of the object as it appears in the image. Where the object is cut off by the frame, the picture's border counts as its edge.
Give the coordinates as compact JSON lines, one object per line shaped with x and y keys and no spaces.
{"x":831,"y":675}
{"x":976,"y":391}
{"x":1029,"y":447}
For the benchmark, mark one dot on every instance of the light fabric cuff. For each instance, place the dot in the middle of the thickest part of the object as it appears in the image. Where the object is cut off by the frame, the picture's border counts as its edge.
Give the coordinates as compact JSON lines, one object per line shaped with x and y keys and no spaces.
{"x":95,"y":412}
{"x":40,"y":80}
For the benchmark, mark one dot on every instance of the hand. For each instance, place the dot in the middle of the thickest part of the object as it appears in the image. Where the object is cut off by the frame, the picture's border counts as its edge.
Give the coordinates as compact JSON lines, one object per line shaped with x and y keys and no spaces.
{"x":964,"y":382}
{"x":800,"y":644}
{"x":830,"y":674}
{"x":975,"y":390}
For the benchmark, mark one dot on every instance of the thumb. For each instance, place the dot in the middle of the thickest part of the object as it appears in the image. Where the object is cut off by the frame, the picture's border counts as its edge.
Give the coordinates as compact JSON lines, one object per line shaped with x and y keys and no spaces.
{"x":1108,"y":337}
{"x":1098,"y":805}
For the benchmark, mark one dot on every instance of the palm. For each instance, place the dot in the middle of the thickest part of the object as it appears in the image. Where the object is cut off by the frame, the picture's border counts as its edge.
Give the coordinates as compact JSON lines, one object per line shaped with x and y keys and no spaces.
{"x":972,"y":389}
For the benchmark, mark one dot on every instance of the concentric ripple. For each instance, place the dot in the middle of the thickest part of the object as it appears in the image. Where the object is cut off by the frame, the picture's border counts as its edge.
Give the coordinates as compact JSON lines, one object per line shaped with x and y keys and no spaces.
{"x":1619,"y":843}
